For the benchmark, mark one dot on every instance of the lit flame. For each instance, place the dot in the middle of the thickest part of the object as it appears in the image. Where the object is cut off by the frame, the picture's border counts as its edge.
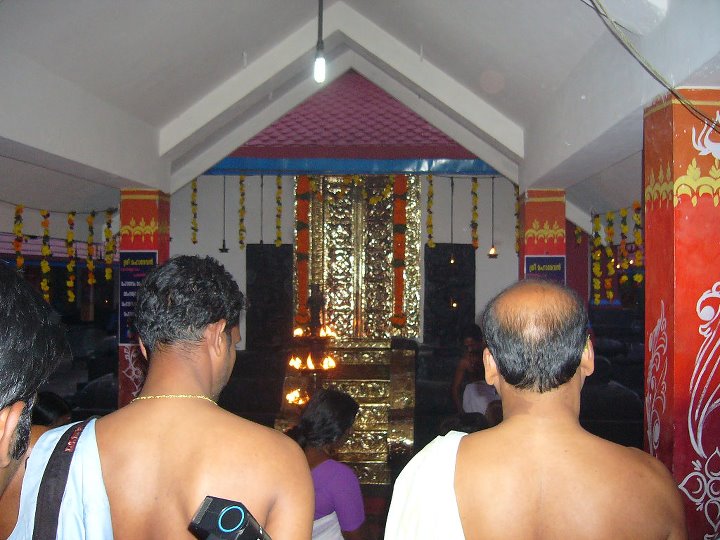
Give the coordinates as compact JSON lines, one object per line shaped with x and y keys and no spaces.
{"x":296,"y":362}
{"x":326,"y":331}
{"x":297,"y":397}
{"x":298,"y":332}
{"x":328,"y":362}
{"x":309,"y":363}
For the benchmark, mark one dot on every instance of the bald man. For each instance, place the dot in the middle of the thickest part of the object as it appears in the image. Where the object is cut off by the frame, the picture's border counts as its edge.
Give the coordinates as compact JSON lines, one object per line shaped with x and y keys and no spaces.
{"x":538,"y":474}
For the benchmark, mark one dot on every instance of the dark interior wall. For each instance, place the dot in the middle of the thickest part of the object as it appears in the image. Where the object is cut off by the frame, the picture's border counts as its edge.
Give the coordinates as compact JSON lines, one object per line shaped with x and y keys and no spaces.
{"x":446,"y":282}
{"x":578,"y":261}
{"x":269,"y":295}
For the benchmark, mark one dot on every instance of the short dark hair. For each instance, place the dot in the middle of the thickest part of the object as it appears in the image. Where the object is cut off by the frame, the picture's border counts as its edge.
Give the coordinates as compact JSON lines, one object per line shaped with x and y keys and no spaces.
{"x":473,"y":331}
{"x":32,"y":342}
{"x":179,"y":299}
{"x":536,"y":348}
{"x":325,"y":418}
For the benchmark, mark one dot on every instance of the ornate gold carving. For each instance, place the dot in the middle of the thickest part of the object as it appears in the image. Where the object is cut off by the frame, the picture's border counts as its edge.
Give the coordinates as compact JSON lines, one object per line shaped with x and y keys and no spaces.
{"x":412,"y":260}
{"x":694,"y":185}
{"x":545,"y":233}
{"x":372,"y":472}
{"x":659,"y":189}
{"x":142,"y":229}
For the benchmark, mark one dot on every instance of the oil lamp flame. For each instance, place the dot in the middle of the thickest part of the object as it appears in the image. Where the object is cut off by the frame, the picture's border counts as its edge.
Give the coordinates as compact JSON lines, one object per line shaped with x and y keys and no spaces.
{"x":298,"y":332}
{"x":310,"y":364}
{"x":297,"y":397}
{"x":328,"y":362}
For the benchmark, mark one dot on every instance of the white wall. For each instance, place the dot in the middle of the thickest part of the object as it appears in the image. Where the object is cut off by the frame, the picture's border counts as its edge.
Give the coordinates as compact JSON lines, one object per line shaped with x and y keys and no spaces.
{"x":491,"y":277}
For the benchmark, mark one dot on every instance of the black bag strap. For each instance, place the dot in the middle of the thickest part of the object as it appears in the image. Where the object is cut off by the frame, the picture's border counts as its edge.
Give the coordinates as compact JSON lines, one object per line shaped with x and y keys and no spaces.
{"x":52,"y":484}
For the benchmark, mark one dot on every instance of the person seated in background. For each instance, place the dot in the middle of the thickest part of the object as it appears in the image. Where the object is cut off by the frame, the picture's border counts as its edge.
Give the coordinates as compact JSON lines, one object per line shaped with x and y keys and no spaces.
{"x":477,"y":393}
{"x":465,"y":423}
{"x":537,"y":474}
{"x":32,"y":342}
{"x":324,"y":426}
{"x":142,"y":472}
{"x":494,"y":413}
{"x":50,"y":410}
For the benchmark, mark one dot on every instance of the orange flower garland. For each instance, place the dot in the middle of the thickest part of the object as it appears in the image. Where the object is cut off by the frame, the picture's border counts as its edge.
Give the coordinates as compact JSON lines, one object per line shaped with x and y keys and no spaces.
{"x":91,"y":248}
{"x":429,"y":212}
{"x":19,"y":238}
{"x":241,"y":213}
{"x":70,"y":247}
{"x":302,"y":248}
{"x":474,"y":220}
{"x":46,"y":253}
{"x":109,"y":245}
{"x":398,"y":318}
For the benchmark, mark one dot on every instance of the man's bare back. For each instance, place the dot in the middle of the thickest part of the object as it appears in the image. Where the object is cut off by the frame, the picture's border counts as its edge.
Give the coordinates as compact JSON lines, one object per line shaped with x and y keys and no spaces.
{"x":531,"y":479}
{"x":160,"y":458}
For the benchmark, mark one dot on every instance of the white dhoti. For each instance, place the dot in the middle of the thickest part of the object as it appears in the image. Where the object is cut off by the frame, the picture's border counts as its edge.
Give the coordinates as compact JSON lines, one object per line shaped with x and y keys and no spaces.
{"x":327,"y":528}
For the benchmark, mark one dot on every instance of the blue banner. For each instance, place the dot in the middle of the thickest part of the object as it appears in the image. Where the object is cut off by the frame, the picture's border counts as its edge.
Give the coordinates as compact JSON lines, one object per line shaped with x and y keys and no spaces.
{"x":551,"y":268}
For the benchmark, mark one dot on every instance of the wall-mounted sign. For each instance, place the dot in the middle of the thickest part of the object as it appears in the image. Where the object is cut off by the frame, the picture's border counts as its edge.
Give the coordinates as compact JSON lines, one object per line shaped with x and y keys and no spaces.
{"x":134,"y":266}
{"x":549,"y":267}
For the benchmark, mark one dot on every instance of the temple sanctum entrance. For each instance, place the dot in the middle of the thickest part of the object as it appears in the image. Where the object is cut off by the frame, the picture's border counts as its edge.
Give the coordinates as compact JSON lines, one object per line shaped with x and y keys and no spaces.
{"x":357,"y":293}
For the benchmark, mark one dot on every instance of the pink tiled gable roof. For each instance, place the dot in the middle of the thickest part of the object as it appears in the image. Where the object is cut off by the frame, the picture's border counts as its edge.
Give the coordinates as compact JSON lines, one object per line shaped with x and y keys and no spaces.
{"x":355,"y":119}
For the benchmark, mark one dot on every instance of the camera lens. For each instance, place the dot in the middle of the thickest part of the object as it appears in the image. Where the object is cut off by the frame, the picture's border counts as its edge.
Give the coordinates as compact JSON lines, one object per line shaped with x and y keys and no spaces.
{"x":231,"y":519}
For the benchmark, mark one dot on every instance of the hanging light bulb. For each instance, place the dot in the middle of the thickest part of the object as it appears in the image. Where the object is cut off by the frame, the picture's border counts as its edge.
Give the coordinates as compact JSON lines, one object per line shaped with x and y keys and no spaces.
{"x":493,"y":252}
{"x":319,"y":67}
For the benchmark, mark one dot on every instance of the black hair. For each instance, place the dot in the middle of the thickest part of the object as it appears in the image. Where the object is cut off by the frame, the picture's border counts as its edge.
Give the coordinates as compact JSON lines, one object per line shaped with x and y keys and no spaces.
{"x":325,"y":419}
{"x":536,"y":348}
{"x":49,"y":407}
{"x":32,"y":342}
{"x":472,"y":331}
{"x":179,"y":299}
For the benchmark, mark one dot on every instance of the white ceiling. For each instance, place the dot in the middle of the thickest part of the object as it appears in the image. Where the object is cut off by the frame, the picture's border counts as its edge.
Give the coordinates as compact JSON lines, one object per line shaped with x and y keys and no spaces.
{"x":101,"y":94}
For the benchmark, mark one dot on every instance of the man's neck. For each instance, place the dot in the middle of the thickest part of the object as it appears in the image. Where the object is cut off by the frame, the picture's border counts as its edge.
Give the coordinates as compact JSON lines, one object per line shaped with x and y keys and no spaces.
{"x":560,"y":406}
{"x":178,"y":370}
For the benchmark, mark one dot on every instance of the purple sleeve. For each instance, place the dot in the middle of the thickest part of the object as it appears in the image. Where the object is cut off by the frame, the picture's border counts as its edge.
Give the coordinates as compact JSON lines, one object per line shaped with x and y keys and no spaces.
{"x":347,"y":498}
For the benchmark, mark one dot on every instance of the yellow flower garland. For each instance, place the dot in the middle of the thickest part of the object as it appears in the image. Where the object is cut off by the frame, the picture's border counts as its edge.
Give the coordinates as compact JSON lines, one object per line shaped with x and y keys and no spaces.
{"x":109,"y":244}
{"x":241,"y":212}
{"x":429,"y":215}
{"x":19,"y":237}
{"x":596,"y":254}
{"x":278,"y":211}
{"x":70,"y":247}
{"x":193,"y":209}
{"x":91,"y":248}
{"x":46,"y":253}
{"x":474,"y":219}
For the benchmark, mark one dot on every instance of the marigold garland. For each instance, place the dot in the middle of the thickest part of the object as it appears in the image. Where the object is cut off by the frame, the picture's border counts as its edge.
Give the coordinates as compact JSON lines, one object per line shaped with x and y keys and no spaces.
{"x":429,"y":212}
{"x":70,"y":247}
{"x":474,"y":220}
{"x":596,"y":255}
{"x":386,"y":192}
{"x":578,"y":235}
{"x":46,"y":253}
{"x":19,"y":237}
{"x":302,"y":247}
{"x":638,"y":237}
{"x":278,"y":211}
{"x":91,"y":248}
{"x":193,"y":208}
{"x":241,"y":212}
{"x":610,"y":254}
{"x":109,"y":245}
{"x":399,"y":318}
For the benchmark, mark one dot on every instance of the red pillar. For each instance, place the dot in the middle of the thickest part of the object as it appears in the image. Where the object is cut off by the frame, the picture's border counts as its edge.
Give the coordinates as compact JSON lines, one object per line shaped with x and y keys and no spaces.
{"x":144,"y":243}
{"x":681,"y":178}
{"x":542,"y":234}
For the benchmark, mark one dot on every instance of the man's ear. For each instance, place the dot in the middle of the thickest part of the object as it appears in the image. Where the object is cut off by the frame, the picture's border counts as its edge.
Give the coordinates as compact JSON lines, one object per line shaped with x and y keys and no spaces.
{"x":9,"y":417}
{"x":492,"y":376}
{"x":215,"y":337}
{"x":587,"y":360}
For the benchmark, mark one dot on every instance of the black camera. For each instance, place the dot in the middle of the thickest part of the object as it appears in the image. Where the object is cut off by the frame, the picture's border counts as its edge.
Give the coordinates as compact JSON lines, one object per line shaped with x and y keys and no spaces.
{"x":221,"y":519}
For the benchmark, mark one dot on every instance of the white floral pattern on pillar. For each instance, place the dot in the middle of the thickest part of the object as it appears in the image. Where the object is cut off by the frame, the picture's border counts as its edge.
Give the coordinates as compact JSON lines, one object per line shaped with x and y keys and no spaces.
{"x":134,"y":371}
{"x":655,"y":384}
{"x":702,"y":485}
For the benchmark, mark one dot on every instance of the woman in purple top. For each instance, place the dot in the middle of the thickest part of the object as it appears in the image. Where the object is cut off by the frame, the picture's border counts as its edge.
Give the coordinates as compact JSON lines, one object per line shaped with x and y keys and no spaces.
{"x":324,"y":426}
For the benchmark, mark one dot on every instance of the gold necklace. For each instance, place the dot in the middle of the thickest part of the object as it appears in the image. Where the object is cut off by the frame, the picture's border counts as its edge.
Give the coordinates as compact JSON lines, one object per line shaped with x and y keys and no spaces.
{"x":174,"y":396}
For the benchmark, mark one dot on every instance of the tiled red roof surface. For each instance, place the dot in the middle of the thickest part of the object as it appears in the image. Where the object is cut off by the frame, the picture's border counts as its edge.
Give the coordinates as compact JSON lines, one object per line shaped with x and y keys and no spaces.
{"x":352,"y":118}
